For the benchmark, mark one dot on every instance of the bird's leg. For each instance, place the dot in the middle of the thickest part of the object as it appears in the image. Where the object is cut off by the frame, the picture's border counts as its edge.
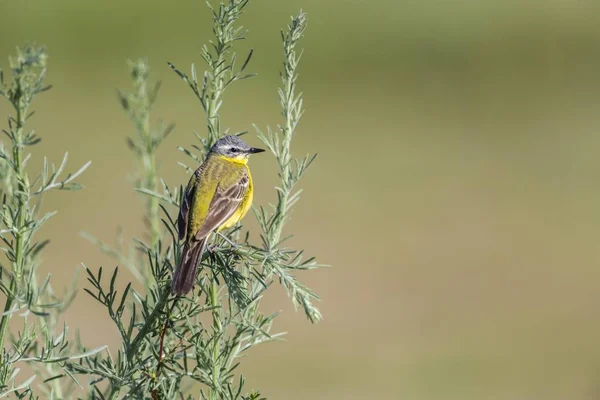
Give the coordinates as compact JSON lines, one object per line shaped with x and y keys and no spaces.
{"x":212,"y":247}
{"x":234,"y":245}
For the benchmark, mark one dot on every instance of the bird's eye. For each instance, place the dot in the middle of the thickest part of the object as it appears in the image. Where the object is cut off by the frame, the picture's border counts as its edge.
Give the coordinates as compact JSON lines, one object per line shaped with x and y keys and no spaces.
{"x":233,"y":150}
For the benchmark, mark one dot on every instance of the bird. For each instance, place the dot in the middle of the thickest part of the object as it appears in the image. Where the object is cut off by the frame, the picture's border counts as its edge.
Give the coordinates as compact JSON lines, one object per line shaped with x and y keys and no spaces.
{"x":218,"y":196}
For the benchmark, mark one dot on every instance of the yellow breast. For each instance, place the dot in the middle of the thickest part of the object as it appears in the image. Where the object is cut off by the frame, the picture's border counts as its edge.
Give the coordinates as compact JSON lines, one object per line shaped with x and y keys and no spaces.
{"x":244,"y":206}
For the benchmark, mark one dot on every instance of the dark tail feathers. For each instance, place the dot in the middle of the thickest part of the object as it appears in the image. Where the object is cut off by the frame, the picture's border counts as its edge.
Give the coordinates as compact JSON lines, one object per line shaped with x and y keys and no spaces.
{"x":185,"y":274}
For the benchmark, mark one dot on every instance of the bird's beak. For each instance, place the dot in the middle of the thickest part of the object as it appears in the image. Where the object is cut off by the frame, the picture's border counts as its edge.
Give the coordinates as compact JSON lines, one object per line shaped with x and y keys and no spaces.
{"x":254,"y":150}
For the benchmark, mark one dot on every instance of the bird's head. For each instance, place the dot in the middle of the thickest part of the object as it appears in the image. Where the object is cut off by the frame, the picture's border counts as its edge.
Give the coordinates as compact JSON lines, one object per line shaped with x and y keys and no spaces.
{"x":234,"y":148}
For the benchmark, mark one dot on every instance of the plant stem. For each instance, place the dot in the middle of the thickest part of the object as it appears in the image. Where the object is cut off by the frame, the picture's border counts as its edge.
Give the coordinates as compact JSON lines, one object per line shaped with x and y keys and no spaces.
{"x":21,"y":197}
{"x":292,"y":113}
{"x":21,"y":203}
{"x":148,"y":155}
{"x":147,"y":328}
{"x":5,"y":319}
{"x":212,"y":117}
{"x":114,"y":391}
{"x":132,"y":349}
{"x":217,"y":328}
{"x":153,"y":205}
{"x":285,"y":171}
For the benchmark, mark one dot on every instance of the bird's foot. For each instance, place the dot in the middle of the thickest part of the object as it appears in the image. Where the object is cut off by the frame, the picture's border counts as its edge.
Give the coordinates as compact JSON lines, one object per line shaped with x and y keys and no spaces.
{"x":233,"y":244}
{"x":211,"y":248}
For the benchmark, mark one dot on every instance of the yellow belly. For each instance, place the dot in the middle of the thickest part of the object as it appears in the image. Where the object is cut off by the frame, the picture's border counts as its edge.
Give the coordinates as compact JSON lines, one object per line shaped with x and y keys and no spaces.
{"x":243,"y":208}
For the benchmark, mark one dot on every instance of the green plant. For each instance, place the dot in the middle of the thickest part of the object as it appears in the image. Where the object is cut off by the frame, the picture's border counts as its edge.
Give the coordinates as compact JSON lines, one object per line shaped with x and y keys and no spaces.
{"x":138,"y":106}
{"x":169,"y":344}
{"x":41,"y":340}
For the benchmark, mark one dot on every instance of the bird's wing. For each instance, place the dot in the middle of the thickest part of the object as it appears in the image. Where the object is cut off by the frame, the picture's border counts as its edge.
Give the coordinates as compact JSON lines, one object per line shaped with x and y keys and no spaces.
{"x":224,"y":203}
{"x":186,"y":201}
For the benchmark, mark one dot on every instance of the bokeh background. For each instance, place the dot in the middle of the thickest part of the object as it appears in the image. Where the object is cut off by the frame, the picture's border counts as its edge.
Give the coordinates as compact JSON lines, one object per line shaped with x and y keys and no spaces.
{"x":456,"y":193}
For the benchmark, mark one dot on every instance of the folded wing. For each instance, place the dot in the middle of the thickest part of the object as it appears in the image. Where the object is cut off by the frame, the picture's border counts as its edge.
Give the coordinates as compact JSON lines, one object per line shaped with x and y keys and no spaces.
{"x":225,"y":202}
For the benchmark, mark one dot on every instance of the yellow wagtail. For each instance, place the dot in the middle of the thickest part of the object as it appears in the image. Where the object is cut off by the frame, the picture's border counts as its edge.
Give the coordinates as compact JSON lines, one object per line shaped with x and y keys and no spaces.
{"x":218,"y":195}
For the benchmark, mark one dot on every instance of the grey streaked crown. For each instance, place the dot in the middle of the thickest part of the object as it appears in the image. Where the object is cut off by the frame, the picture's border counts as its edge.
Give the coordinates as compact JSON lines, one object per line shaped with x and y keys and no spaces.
{"x":232,"y":146}
{"x":226,"y":143}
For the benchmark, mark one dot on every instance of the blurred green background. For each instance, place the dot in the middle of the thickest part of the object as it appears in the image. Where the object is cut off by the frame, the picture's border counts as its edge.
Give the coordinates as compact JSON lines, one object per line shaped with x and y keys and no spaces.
{"x":456,"y":193}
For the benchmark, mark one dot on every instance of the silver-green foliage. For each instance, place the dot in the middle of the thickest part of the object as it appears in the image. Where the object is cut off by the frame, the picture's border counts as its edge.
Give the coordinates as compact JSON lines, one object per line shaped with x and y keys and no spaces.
{"x":170,"y":346}
{"x":30,"y":301}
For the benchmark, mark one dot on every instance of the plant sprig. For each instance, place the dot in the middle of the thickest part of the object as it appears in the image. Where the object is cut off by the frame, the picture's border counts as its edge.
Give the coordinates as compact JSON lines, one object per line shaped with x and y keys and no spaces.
{"x":170,"y":345}
{"x":282,"y":263}
{"x":221,"y":71}
{"x":42,"y":341}
{"x":138,"y":104}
